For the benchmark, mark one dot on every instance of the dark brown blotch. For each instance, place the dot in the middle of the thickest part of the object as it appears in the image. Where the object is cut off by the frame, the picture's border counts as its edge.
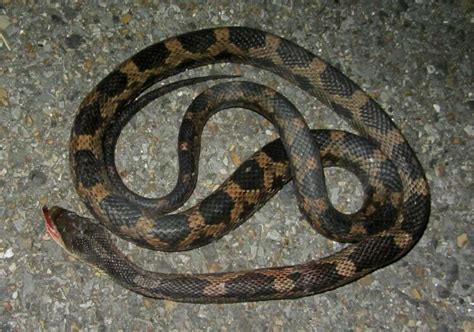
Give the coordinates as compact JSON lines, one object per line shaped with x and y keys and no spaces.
{"x":276,"y":151}
{"x":250,"y":285}
{"x":336,"y":83}
{"x":87,"y":168}
{"x":171,"y":229}
{"x":316,"y":277}
{"x":120,"y":211}
{"x":198,"y":41}
{"x":247,"y":38}
{"x":151,"y":57}
{"x":373,"y":252}
{"x":343,"y":112}
{"x":217,"y":208}
{"x":358,"y":147}
{"x":416,"y":213}
{"x":114,"y":84}
{"x":304,"y":83}
{"x":388,"y":174}
{"x":187,"y":132}
{"x":182,"y":287}
{"x":293,"y":55}
{"x":373,"y":116}
{"x":249,"y":176}
{"x":88,"y":120}
{"x":382,"y":218}
{"x":403,"y":155}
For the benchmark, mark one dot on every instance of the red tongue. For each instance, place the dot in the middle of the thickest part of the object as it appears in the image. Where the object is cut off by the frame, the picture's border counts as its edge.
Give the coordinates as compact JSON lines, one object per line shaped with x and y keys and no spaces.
{"x":50,"y":227}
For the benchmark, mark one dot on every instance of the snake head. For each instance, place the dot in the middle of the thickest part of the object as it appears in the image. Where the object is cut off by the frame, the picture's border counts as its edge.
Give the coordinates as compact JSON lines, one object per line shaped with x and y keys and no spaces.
{"x":69,"y":230}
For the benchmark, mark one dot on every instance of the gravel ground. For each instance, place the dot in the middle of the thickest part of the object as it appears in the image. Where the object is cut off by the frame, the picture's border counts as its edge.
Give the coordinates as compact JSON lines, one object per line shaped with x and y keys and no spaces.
{"x":414,"y":57}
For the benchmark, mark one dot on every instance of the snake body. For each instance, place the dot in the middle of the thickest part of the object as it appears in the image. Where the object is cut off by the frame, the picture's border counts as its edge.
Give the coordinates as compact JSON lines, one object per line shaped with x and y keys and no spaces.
{"x":391,"y":220}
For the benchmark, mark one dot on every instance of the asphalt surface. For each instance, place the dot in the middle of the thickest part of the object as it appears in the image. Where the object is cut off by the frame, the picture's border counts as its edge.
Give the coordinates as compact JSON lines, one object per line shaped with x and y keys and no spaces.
{"x":414,"y":57}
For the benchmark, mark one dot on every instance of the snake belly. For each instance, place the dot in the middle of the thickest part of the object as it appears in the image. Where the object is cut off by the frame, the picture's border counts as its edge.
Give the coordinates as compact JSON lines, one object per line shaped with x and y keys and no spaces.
{"x":378,"y":238}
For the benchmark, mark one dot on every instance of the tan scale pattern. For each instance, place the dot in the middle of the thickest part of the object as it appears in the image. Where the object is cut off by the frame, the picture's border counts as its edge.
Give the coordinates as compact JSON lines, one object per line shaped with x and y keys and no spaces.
{"x":149,"y":284}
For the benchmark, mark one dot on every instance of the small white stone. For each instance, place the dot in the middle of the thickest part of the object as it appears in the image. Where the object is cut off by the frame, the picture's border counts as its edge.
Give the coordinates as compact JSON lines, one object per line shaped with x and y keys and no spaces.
{"x":437,"y":108}
{"x":274,"y":235}
{"x":184,"y":258}
{"x":469,"y":130}
{"x":225,"y":18}
{"x":7,"y":254}
{"x":86,"y":305}
{"x":4,"y":22}
{"x":12,"y":268}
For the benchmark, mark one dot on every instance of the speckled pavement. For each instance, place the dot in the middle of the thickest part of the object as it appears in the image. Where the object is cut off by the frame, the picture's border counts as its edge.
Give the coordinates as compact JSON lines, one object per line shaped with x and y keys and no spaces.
{"x":414,"y":57}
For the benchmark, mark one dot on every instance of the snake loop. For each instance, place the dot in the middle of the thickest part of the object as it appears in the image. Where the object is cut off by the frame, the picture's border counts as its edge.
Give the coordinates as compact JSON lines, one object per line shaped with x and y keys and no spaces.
{"x":392,"y":219}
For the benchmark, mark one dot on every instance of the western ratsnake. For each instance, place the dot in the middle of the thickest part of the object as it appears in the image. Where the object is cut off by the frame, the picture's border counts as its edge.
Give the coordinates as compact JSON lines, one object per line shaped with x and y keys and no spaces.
{"x":391,"y":220}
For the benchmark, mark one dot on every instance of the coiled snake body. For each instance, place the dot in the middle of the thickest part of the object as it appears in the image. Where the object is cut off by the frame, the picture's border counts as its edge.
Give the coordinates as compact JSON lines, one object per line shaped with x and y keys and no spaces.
{"x":391,"y":220}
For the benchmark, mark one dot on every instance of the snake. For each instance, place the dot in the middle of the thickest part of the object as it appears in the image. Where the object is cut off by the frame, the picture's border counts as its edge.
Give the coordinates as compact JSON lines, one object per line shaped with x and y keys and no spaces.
{"x":391,"y":221}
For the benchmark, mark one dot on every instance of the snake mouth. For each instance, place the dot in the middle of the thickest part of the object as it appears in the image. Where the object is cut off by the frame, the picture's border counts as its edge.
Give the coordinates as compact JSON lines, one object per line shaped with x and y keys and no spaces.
{"x":51,"y":227}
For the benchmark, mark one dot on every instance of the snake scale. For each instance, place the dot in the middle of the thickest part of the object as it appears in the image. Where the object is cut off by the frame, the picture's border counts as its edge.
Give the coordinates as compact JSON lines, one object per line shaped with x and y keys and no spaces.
{"x":392,"y":219}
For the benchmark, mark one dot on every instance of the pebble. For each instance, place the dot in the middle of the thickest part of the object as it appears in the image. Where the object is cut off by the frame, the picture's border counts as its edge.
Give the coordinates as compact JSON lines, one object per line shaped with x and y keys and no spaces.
{"x":37,"y":178}
{"x":416,"y":293}
{"x":273,"y":235}
{"x":457,"y":141}
{"x":462,"y":240}
{"x":125,"y":19}
{"x":3,"y":97}
{"x":74,"y":41}
{"x":4,"y":22}
{"x":7,"y":254}
{"x":469,"y":130}
{"x":367,"y":280}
